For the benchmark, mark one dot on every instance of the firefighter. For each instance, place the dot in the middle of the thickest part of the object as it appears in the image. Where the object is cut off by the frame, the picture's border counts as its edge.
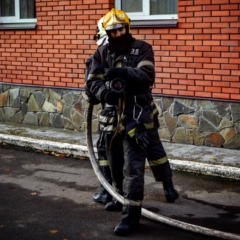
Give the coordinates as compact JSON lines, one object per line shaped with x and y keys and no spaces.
{"x":102,"y":196}
{"x":128,"y":64}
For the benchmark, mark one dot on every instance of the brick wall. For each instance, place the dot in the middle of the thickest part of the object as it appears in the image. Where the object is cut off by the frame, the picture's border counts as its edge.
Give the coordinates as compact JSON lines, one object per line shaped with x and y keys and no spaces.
{"x":198,"y":58}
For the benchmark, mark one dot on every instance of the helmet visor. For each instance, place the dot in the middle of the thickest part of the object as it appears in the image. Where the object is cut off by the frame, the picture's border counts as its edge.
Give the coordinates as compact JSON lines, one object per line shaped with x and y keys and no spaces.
{"x":115,"y":26}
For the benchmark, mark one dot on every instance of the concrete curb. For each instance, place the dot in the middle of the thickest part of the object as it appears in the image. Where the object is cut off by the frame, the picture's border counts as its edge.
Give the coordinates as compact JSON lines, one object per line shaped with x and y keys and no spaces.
{"x":82,"y":151}
{"x":45,"y":145}
{"x":206,"y":168}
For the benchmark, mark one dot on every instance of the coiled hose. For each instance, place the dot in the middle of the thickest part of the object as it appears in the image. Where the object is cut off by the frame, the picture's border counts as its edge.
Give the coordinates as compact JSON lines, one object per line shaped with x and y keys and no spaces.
{"x":145,"y":212}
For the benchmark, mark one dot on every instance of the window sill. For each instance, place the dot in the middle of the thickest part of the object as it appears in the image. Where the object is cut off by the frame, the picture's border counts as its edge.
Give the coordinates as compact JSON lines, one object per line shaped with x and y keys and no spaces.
{"x":154,"y":23}
{"x":18,"y":25}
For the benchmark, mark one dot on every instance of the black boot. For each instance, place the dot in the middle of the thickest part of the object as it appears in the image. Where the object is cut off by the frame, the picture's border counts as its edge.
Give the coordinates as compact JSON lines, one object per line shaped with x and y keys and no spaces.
{"x":124,"y":228}
{"x":102,"y":196}
{"x":170,"y":193}
{"x":129,"y":220}
{"x":114,"y":206}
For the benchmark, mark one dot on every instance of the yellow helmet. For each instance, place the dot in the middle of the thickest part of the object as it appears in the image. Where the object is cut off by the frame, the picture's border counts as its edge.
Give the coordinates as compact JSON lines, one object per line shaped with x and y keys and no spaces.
{"x":116,"y":19}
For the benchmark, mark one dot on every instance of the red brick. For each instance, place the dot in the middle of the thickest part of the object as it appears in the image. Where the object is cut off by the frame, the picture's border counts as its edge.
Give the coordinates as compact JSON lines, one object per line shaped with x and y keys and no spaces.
{"x":229,"y":19}
{"x":220,"y":36}
{"x":230,"y":43}
{"x":213,"y":89}
{"x":203,"y":94}
{"x":178,"y":54}
{"x":202,"y":37}
{"x":195,"y":76}
{"x":235,"y":84}
{"x":204,"y":71}
{"x":235,"y":60}
{"x":170,"y":59}
{"x":234,"y":37}
{"x":194,"y":19}
{"x":202,"y":48}
{"x":211,"y":43}
{"x":220,"y":13}
{"x":164,"y":36}
{"x":219,"y":60}
{"x":163,"y":75}
{"x":193,"y":8}
{"x":186,"y":82}
{"x":234,"y":12}
{"x":220,"y":48}
{"x":177,"y":65}
{"x":49,"y":83}
{"x":186,"y":70}
{"x":235,"y":96}
{"x":234,"y":1}
{"x":211,"y":19}
{"x":202,"y":2}
{"x":230,"y":66}
{"x":161,"y":42}
{"x":194,"y":65}
{"x":185,"y":37}
{"x":230,"y":6}
{"x":170,"y":48}
{"x":185,"y":3}
{"x":202,"y":25}
{"x":185,"y":48}
{"x":178,"y":76}
{"x":235,"y":49}
{"x":212,"y":54}
{"x":28,"y":82}
{"x":196,"y":88}
{"x":213,"y":77}
{"x":178,"y":87}
{"x":220,"y":25}
{"x":235,"y":72}
{"x":212,"y":30}
{"x":202,"y":60}
{"x":170,"y":92}
{"x":32,"y":78}
{"x":185,"y":59}
{"x":222,"y":72}
{"x":161,"y":53}
{"x":203,"y":83}
{"x":221,"y":84}
{"x":186,"y":93}
{"x":185,"y":14}
{"x":220,"y":95}
{"x":231,"y":78}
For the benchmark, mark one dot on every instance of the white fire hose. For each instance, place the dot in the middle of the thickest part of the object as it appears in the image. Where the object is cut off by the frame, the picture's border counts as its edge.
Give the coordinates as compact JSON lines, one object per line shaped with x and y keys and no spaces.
{"x":145,"y":212}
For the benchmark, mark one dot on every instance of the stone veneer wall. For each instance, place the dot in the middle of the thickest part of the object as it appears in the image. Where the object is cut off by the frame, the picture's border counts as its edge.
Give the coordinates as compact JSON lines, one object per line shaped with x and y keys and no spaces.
{"x":189,"y":121}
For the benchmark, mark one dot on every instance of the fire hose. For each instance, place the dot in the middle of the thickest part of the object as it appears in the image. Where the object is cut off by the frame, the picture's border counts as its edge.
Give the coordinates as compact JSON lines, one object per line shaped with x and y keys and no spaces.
{"x":146,"y":213}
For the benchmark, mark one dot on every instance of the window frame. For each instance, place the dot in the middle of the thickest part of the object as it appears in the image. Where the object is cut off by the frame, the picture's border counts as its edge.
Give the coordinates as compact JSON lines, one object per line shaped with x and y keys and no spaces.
{"x":15,"y":22}
{"x":144,"y":19}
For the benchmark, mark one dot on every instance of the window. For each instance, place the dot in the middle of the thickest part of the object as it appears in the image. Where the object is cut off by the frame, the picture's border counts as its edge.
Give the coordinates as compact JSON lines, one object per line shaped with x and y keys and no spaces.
{"x":160,"y":13}
{"x":17,"y":14}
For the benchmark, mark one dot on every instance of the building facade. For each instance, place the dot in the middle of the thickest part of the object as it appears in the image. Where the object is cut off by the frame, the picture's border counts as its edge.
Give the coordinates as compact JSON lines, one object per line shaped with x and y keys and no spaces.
{"x":197,"y":58}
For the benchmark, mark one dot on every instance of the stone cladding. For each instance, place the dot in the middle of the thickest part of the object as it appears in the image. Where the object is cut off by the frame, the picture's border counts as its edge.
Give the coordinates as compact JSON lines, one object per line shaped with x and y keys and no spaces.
{"x":189,"y":121}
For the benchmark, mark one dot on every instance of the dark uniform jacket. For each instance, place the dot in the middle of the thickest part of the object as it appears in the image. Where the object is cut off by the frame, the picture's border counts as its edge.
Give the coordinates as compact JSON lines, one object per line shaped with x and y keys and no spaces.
{"x":138,"y":58}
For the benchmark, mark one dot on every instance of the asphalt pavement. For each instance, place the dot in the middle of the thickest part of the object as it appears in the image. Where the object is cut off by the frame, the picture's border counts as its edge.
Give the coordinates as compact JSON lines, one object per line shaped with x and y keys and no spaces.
{"x":48,"y":196}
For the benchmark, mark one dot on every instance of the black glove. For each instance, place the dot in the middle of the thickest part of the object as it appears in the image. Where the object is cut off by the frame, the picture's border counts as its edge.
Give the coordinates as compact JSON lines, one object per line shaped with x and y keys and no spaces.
{"x":116,"y":72}
{"x":91,"y":98}
{"x":111,"y":97}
